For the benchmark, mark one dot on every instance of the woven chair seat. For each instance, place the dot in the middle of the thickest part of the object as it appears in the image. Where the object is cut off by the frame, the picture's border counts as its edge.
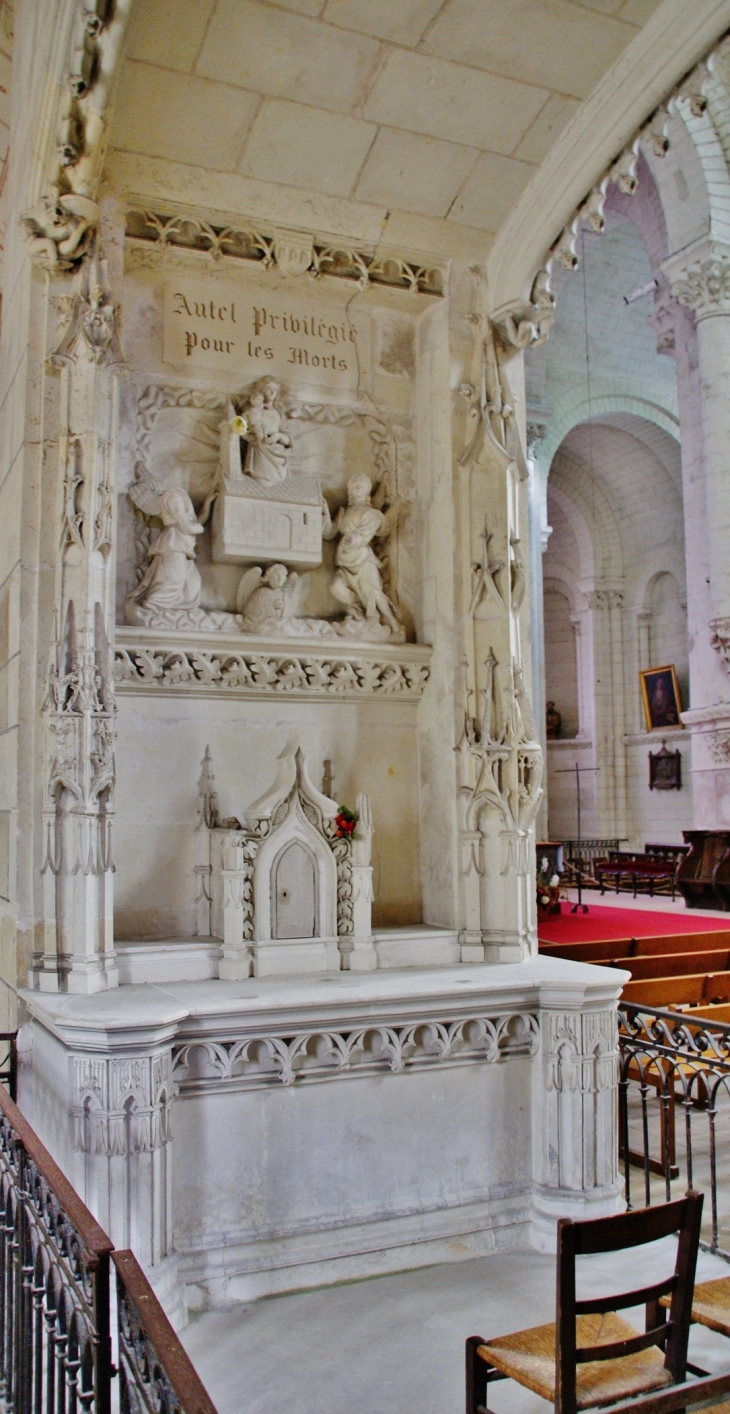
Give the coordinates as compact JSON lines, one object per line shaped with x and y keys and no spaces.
{"x":711,"y":1305}
{"x":529,"y":1357}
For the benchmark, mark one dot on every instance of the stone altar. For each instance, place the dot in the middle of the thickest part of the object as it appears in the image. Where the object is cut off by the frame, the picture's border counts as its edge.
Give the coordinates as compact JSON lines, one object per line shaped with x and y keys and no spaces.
{"x":353,"y":1126}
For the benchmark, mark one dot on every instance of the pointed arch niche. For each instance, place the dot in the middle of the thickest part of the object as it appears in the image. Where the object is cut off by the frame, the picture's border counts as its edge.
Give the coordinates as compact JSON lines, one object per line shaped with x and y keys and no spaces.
{"x":295,"y":883}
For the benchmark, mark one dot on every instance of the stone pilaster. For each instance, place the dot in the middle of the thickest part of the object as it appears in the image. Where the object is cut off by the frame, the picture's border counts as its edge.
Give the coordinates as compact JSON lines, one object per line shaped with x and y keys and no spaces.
{"x":576,"y":1104}
{"x":77,"y":952}
{"x":500,"y":758}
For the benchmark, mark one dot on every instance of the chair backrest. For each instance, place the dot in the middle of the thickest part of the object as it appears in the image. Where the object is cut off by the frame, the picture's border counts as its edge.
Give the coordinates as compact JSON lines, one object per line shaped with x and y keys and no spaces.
{"x":614,"y":1234}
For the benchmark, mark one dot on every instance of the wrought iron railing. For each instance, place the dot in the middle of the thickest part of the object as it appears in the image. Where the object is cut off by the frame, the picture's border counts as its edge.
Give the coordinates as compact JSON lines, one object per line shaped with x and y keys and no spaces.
{"x":673,"y":1061}
{"x":55,"y":1328}
{"x":579,"y":857}
{"x":9,"y":1047}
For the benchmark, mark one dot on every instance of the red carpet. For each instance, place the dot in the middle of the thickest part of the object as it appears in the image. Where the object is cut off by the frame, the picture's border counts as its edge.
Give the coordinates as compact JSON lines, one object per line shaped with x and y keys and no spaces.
{"x":607,"y":923}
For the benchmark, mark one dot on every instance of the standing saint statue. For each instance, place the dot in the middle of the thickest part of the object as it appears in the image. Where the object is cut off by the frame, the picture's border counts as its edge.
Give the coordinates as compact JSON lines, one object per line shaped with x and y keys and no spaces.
{"x":357,"y":583}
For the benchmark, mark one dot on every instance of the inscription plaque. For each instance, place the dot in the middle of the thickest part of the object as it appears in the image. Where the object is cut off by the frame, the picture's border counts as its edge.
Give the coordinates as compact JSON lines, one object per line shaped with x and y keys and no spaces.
{"x":250,"y":332}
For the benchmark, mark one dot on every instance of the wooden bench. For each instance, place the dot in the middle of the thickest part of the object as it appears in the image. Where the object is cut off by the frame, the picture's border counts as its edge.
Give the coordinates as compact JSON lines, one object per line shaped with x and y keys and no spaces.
{"x":673,"y":964}
{"x":721,"y":1012}
{"x":691,"y":990}
{"x":615,"y":948}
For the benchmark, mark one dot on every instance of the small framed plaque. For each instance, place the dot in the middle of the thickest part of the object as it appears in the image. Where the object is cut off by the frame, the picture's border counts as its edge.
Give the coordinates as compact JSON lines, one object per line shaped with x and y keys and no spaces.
{"x":665,"y":769}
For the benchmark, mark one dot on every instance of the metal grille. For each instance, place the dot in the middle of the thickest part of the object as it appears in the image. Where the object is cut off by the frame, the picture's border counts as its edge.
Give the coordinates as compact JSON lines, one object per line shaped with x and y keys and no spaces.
{"x":55,"y":1337}
{"x":155,"y":1374}
{"x":674,"y":1111}
{"x":55,"y":1350}
{"x":579,"y":856}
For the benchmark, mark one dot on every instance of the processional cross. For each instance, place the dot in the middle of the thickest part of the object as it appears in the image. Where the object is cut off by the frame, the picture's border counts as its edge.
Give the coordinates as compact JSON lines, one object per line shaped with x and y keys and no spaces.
{"x":579,"y":771}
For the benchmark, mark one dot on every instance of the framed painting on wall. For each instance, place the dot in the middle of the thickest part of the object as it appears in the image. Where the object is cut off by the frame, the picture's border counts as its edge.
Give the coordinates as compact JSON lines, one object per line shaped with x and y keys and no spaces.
{"x":661,"y":697}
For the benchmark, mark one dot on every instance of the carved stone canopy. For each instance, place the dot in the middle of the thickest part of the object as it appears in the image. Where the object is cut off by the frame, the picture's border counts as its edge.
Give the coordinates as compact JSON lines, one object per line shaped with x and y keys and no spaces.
{"x":291,"y":778}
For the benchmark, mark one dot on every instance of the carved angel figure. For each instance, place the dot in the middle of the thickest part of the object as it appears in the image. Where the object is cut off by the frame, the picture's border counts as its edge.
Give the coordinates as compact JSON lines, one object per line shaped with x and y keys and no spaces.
{"x":262,"y":598}
{"x":357,"y":582}
{"x":267,"y":453}
{"x":171,"y":580}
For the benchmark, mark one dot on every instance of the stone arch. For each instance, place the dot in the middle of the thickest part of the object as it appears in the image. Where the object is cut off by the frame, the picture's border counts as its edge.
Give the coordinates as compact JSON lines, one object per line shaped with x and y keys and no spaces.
{"x":585,"y":500}
{"x":560,"y":581}
{"x":692,"y":178}
{"x":607,"y":121}
{"x":652,"y":572}
{"x":581,"y":408}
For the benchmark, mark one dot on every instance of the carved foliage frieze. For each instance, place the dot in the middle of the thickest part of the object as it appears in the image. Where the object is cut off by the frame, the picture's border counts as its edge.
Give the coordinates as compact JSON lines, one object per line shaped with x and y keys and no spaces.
{"x":290,"y":251}
{"x":295,"y":1057}
{"x":251,"y":672}
{"x":719,"y":747}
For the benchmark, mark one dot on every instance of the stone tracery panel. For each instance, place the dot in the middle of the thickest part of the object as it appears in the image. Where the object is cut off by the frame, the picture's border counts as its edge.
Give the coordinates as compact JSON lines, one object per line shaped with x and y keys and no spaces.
{"x":269,"y":1058}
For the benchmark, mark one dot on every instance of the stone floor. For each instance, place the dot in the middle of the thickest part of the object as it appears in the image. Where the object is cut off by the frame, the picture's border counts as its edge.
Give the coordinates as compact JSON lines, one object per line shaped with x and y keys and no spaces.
{"x":395,"y":1345}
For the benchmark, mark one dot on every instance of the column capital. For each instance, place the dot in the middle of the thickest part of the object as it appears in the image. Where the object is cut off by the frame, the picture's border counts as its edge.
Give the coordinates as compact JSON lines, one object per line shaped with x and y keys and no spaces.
{"x":535,"y":432}
{"x":699,"y":278}
{"x":605,"y":599}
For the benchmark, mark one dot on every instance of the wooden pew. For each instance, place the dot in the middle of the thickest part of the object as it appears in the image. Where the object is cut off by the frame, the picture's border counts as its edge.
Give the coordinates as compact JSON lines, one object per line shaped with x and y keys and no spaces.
{"x":662,"y":964}
{"x":613,"y":948}
{"x":712,"y":1013}
{"x":692,"y":990}
{"x":673,"y":964}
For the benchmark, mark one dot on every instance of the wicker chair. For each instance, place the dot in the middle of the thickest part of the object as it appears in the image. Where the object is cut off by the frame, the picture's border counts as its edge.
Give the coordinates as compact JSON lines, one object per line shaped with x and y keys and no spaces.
{"x":591,"y":1357}
{"x":682,"y":1397}
{"x":711,"y":1305}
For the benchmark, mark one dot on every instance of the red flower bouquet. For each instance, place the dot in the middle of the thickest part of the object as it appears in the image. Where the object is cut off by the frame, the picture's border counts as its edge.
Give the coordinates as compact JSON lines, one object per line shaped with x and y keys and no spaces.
{"x":345,"y":822}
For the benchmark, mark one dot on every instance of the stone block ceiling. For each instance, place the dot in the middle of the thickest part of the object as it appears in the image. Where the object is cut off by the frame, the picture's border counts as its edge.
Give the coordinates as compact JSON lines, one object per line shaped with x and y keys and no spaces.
{"x":438,"y":109}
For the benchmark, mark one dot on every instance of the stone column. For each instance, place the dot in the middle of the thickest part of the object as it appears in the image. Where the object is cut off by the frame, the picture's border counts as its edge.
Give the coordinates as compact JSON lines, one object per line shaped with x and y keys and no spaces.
{"x":700,"y":281}
{"x":362,"y":956}
{"x":585,"y":716}
{"x":232,"y":856}
{"x":606,"y":606}
{"x":539,"y":536}
{"x":643,"y":656}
